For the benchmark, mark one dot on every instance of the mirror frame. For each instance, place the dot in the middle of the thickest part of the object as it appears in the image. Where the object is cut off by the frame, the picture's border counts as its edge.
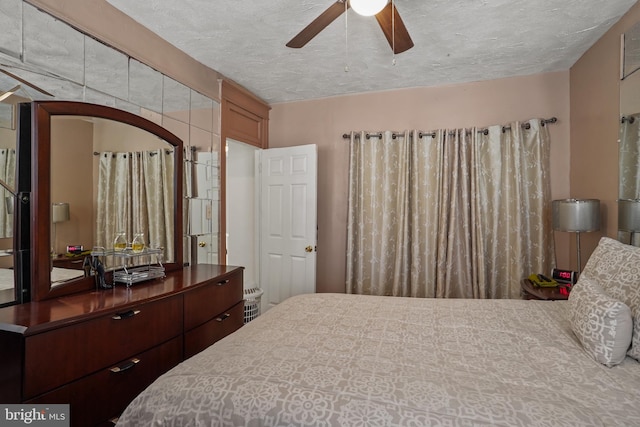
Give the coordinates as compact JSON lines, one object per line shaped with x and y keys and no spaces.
{"x":41,"y":114}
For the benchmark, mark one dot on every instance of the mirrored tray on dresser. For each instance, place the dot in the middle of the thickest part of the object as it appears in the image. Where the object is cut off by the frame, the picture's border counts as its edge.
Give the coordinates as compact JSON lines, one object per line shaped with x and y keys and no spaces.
{"x":130,"y":266}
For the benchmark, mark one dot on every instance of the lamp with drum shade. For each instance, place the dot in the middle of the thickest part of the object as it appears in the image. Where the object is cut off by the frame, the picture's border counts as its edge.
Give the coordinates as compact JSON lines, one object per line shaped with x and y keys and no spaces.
{"x":629,"y":218}
{"x":576,"y":216}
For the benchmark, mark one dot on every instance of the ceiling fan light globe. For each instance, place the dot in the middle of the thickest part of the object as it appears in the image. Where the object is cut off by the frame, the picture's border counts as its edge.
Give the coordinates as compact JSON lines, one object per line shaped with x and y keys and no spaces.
{"x":368,"y":7}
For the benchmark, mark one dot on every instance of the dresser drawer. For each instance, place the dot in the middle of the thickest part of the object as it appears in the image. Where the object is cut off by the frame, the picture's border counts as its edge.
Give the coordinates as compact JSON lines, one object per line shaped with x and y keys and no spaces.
{"x":62,"y":355}
{"x":206,"y":302}
{"x":105,"y":394}
{"x":214,"y":330}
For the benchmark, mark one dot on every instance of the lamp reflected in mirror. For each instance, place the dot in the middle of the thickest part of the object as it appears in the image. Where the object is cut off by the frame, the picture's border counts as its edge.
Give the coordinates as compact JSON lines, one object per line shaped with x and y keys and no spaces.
{"x":576,"y":216}
{"x":629,"y":219}
{"x":59,"y":213}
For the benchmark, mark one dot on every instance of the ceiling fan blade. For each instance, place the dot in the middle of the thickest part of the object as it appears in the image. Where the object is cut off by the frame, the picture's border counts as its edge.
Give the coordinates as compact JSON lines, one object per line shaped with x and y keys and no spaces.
{"x":318,"y":24}
{"x":402,"y":40}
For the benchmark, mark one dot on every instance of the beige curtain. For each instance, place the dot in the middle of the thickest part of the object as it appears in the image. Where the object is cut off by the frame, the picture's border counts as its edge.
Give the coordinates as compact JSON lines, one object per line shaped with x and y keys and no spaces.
{"x":456,"y":213}
{"x":158,"y":185}
{"x":135,"y":196}
{"x":629,"y":168}
{"x":629,"y":158}
{"x":114,"y":198}
{"x":378,"y":241}
{"x":443,"y":216}
{"x":514,"y":206}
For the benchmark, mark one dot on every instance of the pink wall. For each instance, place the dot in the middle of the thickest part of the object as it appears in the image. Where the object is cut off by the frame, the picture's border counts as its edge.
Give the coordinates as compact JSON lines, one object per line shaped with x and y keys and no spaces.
{"x":71,"y":180}
{"x":323,"y":122}
{"x":595,"y":109}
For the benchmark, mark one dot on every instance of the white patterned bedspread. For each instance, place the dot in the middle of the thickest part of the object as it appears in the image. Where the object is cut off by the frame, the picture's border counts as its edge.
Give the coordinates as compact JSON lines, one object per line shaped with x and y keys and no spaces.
{"x":58,"y":276}
{"x":347,"y":360}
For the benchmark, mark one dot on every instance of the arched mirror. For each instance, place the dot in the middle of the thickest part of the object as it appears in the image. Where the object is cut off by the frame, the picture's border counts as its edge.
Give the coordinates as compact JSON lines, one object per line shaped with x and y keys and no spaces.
{"x":100,"y":172}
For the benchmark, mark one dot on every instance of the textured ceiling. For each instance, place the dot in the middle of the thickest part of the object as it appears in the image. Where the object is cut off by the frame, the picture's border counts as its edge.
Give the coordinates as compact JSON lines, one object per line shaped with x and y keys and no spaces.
{"x":455,"y":41}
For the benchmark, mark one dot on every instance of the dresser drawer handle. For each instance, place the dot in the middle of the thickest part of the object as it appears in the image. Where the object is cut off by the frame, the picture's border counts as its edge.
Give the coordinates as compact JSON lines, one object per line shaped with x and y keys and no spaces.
{"x":223,"y":317}
{"x":125,"y":315}
{"x":222,"y":282}
{"x":130,"y":364}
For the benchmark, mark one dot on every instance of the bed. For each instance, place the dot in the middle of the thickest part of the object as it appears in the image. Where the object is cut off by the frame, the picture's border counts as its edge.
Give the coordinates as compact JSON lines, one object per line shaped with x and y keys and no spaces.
{"x":58,"y":276}
{"x":8,"y":281}
{"x":61,"y":275}
{"x":353,"y":360}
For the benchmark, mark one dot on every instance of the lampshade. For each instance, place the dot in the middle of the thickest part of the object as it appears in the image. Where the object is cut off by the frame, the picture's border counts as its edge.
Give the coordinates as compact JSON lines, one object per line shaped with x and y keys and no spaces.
{"x":368,"y":7}
{"x":576,"y":215}
{"x":60,"y":212}
{"x":629,"y":215}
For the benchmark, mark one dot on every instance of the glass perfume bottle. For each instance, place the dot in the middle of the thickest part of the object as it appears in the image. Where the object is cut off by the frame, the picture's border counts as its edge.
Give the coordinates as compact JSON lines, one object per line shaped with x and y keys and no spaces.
{"x":120,"y":242}
{"x":137,"y":244}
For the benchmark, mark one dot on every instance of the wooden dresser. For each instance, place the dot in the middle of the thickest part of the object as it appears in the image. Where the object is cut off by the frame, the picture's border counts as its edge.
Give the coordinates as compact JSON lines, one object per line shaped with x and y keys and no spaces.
{"x":98,"y":350}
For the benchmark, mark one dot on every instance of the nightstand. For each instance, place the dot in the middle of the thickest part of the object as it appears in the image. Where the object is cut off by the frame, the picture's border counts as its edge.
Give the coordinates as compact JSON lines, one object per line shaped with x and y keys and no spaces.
{"x":529,"y":291}
{"x":73,"y":262}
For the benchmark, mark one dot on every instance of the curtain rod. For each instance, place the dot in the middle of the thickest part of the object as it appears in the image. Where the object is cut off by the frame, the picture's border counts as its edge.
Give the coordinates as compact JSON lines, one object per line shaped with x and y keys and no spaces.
{"x":629,"y":119}
{"x":152,"y":153}
{"x":484,"y":131}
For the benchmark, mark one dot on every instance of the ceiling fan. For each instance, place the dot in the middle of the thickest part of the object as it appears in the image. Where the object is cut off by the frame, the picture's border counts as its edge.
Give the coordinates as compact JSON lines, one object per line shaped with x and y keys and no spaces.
{"x":388,"y":18}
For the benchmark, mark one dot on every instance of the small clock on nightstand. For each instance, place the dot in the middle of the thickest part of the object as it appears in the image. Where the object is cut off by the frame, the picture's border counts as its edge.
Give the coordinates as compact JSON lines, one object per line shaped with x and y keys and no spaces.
{"x":564,"y":276}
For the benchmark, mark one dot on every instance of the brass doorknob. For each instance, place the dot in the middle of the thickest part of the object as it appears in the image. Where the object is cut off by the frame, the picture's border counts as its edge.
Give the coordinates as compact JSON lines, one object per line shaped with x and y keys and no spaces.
{"x":202,"y":244}
{"x":308,"y":249}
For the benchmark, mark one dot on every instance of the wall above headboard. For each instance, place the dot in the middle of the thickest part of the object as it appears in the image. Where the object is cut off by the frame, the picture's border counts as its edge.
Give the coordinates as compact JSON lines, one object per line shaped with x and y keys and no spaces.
{"x":323,"y":122}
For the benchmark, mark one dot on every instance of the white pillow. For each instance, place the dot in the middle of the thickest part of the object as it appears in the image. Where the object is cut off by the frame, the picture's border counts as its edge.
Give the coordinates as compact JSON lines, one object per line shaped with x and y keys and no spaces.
{"x":602,"y":324}
{"x":616,"y":268}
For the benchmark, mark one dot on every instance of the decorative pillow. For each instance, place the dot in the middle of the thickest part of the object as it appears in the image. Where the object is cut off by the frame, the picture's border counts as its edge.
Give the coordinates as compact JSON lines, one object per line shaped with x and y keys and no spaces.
{"x":602,"y":324}
{"x":616,"y":268}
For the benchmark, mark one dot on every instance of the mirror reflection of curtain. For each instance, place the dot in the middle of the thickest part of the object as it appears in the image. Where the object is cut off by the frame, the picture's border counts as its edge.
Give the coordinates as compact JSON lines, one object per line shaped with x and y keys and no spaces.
{"x":629,"y":158}
{"x":157,"y":173}
{"x":461,"y":214}
{"x":629,"y":165}
{"x":114,"y":198}
{"x":135,"y":196}
{"x":8,"y":175}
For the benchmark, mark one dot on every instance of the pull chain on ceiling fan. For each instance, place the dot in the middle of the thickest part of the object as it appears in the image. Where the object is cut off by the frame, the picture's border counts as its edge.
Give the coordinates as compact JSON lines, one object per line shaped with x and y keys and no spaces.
{"x":346,"y":38}
{"x":388,"y":18}
{"x":393,"y":40}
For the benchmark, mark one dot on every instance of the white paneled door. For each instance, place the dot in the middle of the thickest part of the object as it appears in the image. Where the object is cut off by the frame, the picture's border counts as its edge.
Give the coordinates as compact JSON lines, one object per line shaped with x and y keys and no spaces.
{"x":288,"y":222}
